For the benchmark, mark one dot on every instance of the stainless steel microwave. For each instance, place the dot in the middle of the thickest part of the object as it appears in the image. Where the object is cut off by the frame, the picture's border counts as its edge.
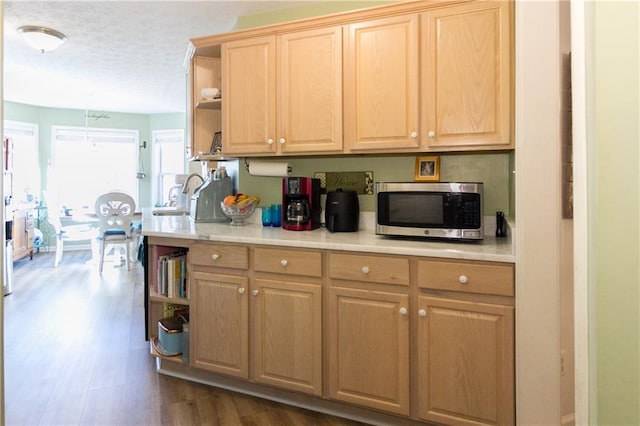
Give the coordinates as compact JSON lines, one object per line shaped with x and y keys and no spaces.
{"x":449,"y":210}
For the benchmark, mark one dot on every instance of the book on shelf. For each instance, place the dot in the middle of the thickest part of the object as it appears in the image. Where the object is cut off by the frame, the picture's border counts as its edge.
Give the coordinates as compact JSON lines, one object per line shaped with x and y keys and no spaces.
{"x":171,"y":274}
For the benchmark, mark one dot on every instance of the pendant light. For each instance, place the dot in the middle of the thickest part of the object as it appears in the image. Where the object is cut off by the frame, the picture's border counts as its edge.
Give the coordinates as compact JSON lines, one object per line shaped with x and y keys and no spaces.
{"x":42,"y":38}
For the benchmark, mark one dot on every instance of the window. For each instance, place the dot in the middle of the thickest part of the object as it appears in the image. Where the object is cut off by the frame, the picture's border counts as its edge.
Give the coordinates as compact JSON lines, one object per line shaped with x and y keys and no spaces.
{"x":168,"y":161}
{"x":26,"y":160}
{"x":88,"y":162}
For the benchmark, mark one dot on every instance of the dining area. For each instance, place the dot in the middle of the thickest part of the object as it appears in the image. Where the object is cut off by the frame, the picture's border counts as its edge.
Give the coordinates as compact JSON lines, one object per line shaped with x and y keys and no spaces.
{"x":111,"y":229}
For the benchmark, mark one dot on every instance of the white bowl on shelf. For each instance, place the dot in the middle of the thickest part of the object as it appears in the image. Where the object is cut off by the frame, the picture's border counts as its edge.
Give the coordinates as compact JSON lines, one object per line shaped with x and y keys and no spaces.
{"x":209,"y":93}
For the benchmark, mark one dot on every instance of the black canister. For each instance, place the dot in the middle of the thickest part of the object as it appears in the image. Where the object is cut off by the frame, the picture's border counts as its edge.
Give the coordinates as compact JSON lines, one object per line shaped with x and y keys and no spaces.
{"x":342,"y":211}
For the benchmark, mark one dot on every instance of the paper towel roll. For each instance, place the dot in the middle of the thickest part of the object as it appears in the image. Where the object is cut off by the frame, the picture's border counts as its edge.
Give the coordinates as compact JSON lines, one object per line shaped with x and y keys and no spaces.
{"x":265,"y":168}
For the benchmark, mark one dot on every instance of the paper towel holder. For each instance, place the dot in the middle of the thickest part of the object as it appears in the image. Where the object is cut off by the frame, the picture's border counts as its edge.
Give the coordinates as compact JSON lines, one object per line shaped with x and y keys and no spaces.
{"x":246,"y":165}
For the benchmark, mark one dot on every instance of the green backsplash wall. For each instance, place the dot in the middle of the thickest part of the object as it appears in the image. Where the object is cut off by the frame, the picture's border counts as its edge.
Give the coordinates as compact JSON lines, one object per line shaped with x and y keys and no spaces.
{"x":493,"y":169}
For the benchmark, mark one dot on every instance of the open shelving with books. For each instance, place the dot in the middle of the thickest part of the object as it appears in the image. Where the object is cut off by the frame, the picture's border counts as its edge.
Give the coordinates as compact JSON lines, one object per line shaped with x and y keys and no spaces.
{"x":167,"y":288}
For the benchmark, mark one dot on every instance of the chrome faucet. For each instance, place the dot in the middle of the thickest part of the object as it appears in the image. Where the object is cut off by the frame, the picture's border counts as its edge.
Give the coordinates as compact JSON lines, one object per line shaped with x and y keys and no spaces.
{"x":185,"y":186}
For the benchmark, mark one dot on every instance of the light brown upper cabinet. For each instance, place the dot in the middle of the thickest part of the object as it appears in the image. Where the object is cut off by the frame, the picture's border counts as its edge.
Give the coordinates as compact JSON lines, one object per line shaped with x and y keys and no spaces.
{"x":205,"y":115}
{"x":382,"y":84}
{"x":466,"y":64}
{"x":407,"y":77}
{"x":249,"y":87}
{"x":285,"y":93}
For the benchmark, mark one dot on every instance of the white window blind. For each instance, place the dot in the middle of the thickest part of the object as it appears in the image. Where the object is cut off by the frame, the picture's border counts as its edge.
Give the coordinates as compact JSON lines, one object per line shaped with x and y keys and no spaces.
{"x":168,"y":161}
{"x":87,"y":162}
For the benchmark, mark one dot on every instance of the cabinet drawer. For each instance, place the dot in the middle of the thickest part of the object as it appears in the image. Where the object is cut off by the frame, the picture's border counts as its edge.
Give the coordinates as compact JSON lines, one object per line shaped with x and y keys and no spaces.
{"x":375,"y":269}
{"x":298,"y":262}
{"x":468,"y":277}
{"x":219,"y":255}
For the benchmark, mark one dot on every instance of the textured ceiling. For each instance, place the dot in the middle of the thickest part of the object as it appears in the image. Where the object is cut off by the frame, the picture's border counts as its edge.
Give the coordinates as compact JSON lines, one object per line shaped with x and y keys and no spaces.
{"x":120,"y":56}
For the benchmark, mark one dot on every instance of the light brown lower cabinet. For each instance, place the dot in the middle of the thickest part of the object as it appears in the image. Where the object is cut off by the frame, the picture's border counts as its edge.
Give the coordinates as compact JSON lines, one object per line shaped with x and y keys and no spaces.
{"x":265,"y":328}
{"x":465,"y":362}
{"x":22,"y":233}
{"x":369,"y":348}
{"x":287,"y":339}
{"x":291,"y":318}
{"x":220,"y":323}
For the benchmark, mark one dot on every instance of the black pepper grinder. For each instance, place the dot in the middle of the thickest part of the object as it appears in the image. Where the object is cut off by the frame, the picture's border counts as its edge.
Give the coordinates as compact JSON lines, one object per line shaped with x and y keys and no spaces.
{"x":501,"y":231}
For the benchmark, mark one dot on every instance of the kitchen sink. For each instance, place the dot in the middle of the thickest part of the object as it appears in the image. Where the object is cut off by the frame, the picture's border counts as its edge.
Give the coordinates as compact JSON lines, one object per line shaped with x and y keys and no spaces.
{"x":169,"y":211}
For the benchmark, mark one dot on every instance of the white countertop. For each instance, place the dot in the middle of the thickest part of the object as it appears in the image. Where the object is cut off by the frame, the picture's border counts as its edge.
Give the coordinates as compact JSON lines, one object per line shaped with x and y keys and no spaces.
{"x":490,"y":249}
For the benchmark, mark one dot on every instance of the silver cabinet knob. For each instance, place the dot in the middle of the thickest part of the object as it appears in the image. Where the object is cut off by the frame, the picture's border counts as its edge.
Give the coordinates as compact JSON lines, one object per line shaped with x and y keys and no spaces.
{"x":282,"y":141}
{"x":432,"y":134}
{"x":414,"y":135}
{"x":215,"y":256}
{"x":254,"y":292}
{"x":365,"y":270}
{"x":283,"y":262}
{"x":241,"y":290}
{"x":403,"y":311}
{"x":270,"y":141}
{"x":422,"y":313}
{"x":463,"y":279}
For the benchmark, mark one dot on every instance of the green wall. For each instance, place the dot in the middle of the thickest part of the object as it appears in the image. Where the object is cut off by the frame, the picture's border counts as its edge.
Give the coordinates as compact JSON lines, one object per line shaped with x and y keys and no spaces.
{"x":491,"y":168}
{"x":614,"y":188}
{"x":302,"y":12}
{"x":47,"y":117}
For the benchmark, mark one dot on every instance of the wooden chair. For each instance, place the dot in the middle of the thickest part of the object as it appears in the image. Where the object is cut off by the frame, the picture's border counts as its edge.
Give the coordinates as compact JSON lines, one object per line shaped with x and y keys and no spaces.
{"x":115,"y":211}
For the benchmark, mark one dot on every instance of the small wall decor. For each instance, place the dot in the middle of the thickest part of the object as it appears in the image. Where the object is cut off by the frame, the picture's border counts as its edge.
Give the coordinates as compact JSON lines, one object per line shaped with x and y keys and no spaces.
{"x":361,"y":182}
{"x":96,"y":115}
{"x":427,"y":169}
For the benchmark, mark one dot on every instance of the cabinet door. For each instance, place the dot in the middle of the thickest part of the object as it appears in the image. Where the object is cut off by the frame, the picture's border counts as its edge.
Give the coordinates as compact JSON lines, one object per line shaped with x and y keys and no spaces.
{"x":369,"y":349}
{"x":381,"y":84}
{"x":20,"y":243}
{"x":219,"y":323}
{"x":249,"y":96}
{"x":288,"y":335}
{"x":465,"y":362}
{"x":467,"y":64}
{"x":309,"y":108}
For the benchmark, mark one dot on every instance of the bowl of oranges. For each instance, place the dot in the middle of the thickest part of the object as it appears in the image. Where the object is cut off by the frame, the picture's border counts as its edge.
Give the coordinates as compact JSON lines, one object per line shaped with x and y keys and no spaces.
{"x":239,"y":207}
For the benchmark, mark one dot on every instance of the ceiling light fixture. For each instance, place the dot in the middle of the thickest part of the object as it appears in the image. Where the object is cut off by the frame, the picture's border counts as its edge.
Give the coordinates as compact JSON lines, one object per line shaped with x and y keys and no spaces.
{"x":41,"y":38}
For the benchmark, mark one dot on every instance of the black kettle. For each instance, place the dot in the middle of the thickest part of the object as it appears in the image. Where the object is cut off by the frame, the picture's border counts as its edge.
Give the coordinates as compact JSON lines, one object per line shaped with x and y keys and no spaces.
{"x":342,"y":211}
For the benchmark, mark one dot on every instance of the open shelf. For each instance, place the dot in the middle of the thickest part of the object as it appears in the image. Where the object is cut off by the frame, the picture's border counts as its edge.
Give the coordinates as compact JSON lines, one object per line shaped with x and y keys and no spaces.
{"x":154,"y":351}
{"x":155,"y":297}
{"x":209,"y":104}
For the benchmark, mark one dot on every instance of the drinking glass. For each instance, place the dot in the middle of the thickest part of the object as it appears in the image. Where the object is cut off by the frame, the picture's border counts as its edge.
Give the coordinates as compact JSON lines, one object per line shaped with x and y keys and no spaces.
{"x":266,"y":216}
{"x":276,"y":215}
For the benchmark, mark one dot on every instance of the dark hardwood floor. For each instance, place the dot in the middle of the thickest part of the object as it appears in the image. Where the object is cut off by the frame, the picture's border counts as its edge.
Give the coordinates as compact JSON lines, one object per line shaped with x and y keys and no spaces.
{"x":75,"y":354}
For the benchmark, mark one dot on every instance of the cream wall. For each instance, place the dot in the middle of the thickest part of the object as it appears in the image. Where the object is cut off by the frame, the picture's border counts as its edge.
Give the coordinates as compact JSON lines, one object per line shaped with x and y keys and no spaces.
{"x":614,"y":188}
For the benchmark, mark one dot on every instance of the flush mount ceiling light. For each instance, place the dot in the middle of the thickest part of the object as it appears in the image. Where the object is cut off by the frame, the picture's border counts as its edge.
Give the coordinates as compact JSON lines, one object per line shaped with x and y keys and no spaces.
{"x":41,"y":38}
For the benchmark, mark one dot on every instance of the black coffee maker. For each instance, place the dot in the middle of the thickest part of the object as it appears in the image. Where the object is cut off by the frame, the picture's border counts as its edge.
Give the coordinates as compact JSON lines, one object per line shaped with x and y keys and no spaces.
{"x":301,"y":203}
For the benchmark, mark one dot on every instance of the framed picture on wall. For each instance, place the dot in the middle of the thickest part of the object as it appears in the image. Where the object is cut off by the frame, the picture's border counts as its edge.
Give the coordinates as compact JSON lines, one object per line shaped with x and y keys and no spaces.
{"x":427,"y":169}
